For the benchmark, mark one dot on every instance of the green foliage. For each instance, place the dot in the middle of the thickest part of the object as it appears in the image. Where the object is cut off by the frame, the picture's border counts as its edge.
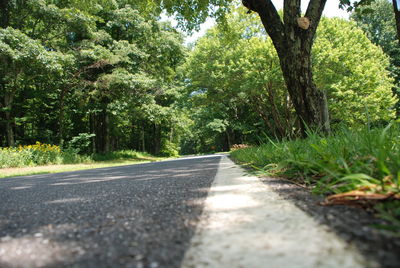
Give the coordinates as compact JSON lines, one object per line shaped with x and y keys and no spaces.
{"x":364,"y":89}
{"x":334,"y":164}
{"x":236,"y":87}
{"x":81,"y":144}
{"x":169,"y":149}
{"x":380,"y":28}
{"x":45,"y":154}
{"x":101,"y":67}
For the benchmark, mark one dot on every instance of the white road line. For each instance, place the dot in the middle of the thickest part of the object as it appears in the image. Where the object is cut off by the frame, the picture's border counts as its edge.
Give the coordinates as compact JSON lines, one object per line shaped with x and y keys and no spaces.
{"x":246,"y":224}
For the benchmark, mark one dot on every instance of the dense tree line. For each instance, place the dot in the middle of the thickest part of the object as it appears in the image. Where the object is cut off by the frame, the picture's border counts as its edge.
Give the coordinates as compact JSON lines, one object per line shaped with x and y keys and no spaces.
{"x":105,"y":75}
{"x":110,"y":75}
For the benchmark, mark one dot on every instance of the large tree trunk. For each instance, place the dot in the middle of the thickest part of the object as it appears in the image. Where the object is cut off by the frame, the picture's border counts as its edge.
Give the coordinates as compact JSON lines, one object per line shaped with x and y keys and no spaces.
{"x":293,"y":41}
{"x":309,"y":102}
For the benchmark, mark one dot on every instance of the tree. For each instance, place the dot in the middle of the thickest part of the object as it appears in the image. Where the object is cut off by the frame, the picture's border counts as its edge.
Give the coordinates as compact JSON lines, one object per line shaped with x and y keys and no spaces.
{"x":292,"y":36}
{"x":364,"y":89}
{"x":116,"y":81}
{"x":234,"y":69}
{"x":366,"y":7}
{"x":22,"y":59}
{"x":380,"y":27}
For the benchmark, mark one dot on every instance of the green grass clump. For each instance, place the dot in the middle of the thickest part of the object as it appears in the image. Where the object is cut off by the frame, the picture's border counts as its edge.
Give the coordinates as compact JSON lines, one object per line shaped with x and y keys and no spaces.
{"x":344,"y":161}
{"x":332,"y":164}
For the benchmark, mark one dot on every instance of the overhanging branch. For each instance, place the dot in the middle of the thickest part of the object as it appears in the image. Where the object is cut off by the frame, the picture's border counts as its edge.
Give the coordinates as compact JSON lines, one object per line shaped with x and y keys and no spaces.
{"x":270,"y":18}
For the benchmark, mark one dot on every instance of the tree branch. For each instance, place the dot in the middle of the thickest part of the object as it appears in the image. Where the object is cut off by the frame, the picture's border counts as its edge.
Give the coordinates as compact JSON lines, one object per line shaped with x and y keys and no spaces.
{"x":314,"y":13}
{"x":269,"y":17}
{"x":291,"y":11}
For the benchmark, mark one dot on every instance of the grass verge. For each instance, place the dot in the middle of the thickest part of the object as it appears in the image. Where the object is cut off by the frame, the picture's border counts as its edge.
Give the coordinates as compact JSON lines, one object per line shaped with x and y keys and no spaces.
{"x":119,"y":158}
{"x":351,"y":167}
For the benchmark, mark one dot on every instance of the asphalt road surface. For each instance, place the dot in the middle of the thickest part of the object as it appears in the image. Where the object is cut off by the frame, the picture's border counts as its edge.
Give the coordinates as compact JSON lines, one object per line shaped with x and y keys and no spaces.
{"x":131,"y":216}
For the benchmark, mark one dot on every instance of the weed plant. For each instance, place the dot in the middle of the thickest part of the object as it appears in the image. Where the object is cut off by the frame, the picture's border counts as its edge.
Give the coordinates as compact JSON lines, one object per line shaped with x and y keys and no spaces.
{"x":30,"y":155}
{"x":39,"y":154}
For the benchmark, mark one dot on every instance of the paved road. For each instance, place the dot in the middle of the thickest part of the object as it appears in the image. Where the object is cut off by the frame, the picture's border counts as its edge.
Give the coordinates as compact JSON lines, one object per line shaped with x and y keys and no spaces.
{"x":132,"y":216}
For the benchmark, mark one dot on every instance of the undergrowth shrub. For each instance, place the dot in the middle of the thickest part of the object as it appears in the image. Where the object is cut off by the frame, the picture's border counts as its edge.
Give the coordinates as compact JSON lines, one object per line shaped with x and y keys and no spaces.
{"x":169,"y":149}
{"x":38,"y":154}
{"x":30,"y":155}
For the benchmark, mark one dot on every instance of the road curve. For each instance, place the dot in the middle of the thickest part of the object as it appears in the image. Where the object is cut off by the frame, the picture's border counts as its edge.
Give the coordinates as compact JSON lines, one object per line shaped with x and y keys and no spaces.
{"x":131,"y":216}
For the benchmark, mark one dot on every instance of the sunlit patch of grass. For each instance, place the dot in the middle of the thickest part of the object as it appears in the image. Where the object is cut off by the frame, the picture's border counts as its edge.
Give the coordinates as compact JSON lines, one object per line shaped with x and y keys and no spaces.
{"x":118,"y":158}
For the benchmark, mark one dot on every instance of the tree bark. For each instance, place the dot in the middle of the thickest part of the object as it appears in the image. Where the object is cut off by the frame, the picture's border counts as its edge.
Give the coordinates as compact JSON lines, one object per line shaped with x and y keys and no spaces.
{"x":397,"y":16}
{"x":156,"y":139}
{"x":293,"y":45}
{"x":142,"y":138}
{"x":228,"y":140}
{"x":106,"y":128}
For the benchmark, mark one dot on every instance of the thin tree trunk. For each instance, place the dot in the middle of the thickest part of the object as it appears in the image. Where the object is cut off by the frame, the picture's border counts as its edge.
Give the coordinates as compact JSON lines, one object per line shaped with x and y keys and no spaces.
{"x":157,"y":139}
{"x":275,"y":111}
{"x":261,"y":112}
{"x":8,"y":101}
{"x":228,"y":140}
{"x":92,"y":121}
{"x":61,"y":115}
{"x":5,"y":16}
{"x":171,"y":135}
{"x":142,"y":138}
{"x":106,"y":128}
